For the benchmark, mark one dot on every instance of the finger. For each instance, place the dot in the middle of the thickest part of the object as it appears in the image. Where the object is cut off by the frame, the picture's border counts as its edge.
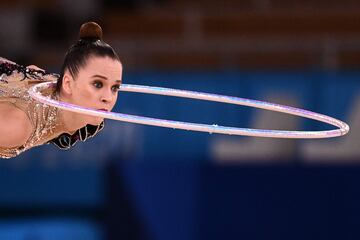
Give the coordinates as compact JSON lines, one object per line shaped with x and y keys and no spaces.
{"x":35,"y":68}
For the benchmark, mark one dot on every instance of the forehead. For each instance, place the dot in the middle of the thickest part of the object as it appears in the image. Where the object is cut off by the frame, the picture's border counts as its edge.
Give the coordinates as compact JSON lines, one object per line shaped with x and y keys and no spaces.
{"x":104,"y":66}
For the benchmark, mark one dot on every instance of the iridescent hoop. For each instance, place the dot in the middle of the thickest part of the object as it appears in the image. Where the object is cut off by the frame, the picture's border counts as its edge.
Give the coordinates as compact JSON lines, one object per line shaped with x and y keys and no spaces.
{"x":343,"y":128}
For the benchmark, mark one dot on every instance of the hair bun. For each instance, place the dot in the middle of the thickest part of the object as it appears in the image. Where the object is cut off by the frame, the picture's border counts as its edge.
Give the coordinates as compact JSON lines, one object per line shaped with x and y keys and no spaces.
{"x":90,"y":30}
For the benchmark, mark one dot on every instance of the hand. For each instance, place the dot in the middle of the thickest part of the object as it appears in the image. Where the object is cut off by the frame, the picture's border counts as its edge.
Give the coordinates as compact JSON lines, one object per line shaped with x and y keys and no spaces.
{"x":35,"y":68}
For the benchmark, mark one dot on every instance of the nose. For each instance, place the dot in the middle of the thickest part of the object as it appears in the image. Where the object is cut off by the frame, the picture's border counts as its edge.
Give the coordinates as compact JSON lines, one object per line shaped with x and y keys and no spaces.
{"x":106,"y":97}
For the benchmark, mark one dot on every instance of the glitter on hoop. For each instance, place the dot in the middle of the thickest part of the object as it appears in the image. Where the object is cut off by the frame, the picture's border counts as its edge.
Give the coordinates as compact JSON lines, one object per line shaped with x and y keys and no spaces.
{"x":343,"y":128}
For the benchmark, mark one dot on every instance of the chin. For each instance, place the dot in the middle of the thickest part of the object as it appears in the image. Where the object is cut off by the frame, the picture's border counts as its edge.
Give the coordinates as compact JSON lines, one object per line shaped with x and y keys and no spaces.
{"x":95,"y":121}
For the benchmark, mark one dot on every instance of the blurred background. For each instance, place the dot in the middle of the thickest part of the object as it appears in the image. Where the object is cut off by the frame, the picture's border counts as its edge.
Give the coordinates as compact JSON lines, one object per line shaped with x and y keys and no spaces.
{"x":142,"y":182}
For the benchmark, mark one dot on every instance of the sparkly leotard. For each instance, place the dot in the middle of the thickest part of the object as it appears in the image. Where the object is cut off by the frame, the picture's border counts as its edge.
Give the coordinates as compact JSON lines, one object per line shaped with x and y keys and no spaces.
{"x":15,"y":80}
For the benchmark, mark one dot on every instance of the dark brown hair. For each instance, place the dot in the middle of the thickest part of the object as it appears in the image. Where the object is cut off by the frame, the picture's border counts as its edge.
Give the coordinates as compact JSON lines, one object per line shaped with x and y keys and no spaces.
{"x":90,"y":44}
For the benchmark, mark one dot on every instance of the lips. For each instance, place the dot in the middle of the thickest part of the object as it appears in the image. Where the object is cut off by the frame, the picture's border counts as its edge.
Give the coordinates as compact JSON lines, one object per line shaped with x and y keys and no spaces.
{"x":103,"y":109}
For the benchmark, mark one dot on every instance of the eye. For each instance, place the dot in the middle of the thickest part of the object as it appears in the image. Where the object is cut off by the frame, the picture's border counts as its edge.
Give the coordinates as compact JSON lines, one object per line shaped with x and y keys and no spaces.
{"x":98,"y":84}
{"x":115,"y":88}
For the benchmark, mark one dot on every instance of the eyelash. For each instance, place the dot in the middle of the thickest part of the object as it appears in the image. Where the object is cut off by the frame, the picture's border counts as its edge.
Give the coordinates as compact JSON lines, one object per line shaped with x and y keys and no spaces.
{"x":115,"y":87}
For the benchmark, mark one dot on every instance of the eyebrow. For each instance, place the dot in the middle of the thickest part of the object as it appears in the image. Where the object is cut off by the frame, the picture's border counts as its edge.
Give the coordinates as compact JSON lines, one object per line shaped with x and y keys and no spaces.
{"x":103,"y":77}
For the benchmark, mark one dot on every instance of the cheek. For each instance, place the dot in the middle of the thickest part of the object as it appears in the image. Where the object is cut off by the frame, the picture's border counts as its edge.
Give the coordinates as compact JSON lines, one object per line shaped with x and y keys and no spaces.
{"x":84,"y":95}
{"x":115,"y":100}
{"x":116,"y":97}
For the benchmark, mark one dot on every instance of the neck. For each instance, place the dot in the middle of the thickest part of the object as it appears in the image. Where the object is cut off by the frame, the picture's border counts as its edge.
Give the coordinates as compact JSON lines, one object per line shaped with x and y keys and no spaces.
{"x":69,"y":121}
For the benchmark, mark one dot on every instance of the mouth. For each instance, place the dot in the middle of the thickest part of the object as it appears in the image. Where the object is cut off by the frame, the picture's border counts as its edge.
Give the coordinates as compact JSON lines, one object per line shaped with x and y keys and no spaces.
{"x":103,"y":109}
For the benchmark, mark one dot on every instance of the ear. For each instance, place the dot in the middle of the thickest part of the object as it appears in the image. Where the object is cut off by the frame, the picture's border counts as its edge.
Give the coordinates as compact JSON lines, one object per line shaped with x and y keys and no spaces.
{"x":67,"y":83}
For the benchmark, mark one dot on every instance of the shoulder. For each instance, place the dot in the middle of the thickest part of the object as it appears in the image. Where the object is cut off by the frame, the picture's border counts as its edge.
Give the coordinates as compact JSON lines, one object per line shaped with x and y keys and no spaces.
{"x":15,"y":126}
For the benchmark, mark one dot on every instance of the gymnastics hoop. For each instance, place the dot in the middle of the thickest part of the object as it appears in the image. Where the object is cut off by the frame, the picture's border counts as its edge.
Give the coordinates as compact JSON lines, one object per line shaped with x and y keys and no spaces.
{"x":343,"y":128}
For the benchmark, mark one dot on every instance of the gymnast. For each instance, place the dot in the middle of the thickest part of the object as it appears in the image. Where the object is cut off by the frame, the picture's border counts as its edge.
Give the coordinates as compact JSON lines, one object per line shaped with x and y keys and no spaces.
{"x":90,"y":77}
{"x":40,"y":108}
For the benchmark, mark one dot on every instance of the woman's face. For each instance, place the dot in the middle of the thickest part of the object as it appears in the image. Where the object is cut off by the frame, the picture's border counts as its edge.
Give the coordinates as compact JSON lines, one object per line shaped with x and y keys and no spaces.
{"x":96,"y":86}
